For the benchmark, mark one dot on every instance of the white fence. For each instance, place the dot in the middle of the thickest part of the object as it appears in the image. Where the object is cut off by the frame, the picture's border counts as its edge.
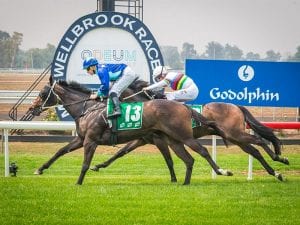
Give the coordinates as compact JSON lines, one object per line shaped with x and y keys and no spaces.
{"x":21,"y":71}
{"x":31,"y":125}
{"x":8,"y":96}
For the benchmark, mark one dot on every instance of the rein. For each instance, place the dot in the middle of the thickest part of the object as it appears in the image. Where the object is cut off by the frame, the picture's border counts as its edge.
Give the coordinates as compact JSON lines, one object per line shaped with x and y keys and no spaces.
{"x":77,"y":102}
{"x":145,"y":92}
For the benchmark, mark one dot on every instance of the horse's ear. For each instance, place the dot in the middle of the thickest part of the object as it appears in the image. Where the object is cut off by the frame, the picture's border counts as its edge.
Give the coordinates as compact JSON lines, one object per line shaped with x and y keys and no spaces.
{"x":50,"y":80}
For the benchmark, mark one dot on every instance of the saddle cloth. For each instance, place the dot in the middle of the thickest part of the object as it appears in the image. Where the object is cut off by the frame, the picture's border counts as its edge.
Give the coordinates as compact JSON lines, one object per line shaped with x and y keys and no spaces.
{"x":131,"y":117}
{"x":197,"y":108}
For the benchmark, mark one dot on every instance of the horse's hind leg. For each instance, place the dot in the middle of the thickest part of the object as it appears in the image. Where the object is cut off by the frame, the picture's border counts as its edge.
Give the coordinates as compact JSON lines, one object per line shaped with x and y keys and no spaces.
{"x":183,"y":154}
{"x":164,"y":149}
{"x":123,"y":151}
{"x":75,"y":144}
{"x":256,"y":154}
{"x":252,"y":139}
{"x":205,"y":154}
{"x":273,"y":156}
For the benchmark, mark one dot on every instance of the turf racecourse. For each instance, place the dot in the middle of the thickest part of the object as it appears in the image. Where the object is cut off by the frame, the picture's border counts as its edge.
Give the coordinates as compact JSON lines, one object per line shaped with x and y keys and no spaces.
{"x":136,"y":190}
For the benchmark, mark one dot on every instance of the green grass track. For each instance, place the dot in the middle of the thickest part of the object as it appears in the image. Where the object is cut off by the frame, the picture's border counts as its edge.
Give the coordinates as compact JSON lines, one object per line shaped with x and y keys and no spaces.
{"x":137,"y":190}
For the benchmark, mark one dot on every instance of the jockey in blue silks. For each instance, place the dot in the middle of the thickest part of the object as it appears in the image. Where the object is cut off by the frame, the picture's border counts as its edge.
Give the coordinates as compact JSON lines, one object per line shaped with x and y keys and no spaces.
{"x":121,"y":74}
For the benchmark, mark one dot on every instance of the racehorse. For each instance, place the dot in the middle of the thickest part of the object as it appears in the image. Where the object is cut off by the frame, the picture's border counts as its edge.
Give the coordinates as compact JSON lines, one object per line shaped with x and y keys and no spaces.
{"x":232,"y":119}
{"x":93,"y":128}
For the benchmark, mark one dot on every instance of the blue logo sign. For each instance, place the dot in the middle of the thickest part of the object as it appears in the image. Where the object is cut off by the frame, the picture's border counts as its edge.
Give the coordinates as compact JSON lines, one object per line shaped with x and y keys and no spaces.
{"x":249,"y":83}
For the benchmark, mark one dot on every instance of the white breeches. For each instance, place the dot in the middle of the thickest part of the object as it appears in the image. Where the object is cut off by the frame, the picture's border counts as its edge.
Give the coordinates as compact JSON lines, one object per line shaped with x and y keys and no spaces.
{"x":125,"y":80}
{"x":188,"y":94}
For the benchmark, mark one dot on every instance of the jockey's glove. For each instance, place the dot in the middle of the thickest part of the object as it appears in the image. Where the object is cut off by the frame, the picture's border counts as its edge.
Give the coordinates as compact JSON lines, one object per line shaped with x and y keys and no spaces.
{"x":101,"y":88}
{"x":101,"y":95}
{"x":93,"y":96}
{"x":146,"y":88}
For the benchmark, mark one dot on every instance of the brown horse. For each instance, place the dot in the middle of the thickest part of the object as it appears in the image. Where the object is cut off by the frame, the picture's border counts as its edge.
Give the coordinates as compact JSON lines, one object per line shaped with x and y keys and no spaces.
{"x":231,"y":118}
{"x":93,"y":128}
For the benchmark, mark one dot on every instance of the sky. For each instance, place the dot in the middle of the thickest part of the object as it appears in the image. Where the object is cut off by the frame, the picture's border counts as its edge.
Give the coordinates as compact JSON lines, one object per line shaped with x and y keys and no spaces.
{"x":251,"y":25}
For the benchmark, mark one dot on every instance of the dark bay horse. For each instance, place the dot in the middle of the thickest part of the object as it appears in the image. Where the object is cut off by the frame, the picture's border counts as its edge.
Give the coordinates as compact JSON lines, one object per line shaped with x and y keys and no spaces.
{"x":93,"y":129}
{"x":232,"y":119}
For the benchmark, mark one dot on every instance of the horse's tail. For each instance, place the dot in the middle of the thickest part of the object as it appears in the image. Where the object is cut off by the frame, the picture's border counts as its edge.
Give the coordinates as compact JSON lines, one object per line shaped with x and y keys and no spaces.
{"x":201,"y":120}
{"x":262,"y":130}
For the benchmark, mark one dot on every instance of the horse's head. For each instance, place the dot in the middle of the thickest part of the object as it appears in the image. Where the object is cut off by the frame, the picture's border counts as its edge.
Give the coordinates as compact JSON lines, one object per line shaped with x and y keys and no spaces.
{"x":45,"y":99}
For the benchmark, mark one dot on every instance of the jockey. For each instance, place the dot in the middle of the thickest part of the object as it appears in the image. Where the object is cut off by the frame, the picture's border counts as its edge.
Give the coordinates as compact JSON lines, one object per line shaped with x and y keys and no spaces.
{"x":122,"y":74}
{"x":184,"y":88}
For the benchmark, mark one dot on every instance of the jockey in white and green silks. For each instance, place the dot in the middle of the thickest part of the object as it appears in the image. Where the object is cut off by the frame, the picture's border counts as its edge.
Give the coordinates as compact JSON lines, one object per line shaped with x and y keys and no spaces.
{"x":184,"y":88}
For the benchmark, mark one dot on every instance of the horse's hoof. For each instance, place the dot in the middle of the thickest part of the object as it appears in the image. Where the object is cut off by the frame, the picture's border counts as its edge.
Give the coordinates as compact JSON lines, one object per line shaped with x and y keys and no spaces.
{"x":229,"y":173}
{"x":286,"y":161}
{"x":38,"y":172}
{"x":225,"y":172}
{"x":279,"y":176}
{"x":96,"y":169}
{"x":174,"y":180}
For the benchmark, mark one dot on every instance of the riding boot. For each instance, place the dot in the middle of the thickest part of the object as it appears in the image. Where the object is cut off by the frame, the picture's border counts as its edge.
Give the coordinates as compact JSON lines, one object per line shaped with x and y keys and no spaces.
{"x":116,"y":105}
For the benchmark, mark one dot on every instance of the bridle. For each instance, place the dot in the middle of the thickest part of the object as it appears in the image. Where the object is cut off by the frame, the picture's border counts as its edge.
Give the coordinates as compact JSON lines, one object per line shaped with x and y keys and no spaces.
{"x":43,"y":107}
{"x":51,"y":91}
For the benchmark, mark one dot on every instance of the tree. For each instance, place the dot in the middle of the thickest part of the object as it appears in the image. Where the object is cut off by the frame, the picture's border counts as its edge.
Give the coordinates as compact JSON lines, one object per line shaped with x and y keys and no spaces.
{"x":252,"y":56}
{"x":215,"y":50}
{"x":4,"y":35}
{"x":20,"y":60}
{"x":272,"y":56}
{"x":35,"y":57}
{"x":296,"y":57}
{"x":297,"y":54}
{"x":233,"y":52}
{"x":4,"y":48}
{"x":13,"y":57}
{"x":171,"y":57}
{"x":40,"y":58}
{"x":15,"y":43}
{"x":188,"y":52}
{"x":9,"y":47}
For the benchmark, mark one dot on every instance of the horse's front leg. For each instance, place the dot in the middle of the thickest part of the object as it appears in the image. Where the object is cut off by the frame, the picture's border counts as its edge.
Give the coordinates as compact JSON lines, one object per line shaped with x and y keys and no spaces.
{"x":89,"y":150}
{"x":205,"y":154}
{"x":75,"y":144}
{"x":123,"y":151}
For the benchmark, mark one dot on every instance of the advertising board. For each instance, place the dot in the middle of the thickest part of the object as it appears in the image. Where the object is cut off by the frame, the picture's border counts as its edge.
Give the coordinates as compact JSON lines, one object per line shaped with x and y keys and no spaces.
{"x":111,"y":37}
{"x":249,"y":83}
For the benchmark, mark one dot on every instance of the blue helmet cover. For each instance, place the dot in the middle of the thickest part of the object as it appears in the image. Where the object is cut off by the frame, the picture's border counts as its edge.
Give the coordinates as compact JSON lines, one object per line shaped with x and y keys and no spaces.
{"x":90,"y":61}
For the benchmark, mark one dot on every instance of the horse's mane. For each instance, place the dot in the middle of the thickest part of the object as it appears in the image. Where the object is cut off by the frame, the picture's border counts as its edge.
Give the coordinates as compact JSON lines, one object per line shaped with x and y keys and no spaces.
{"x":137,"y":85}
{"x":74,"y":85}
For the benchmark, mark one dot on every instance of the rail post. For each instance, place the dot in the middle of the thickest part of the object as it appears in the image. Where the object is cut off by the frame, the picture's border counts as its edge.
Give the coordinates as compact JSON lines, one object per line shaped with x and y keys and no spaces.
{"x":6,"y":153}
{"x":214,"y":154}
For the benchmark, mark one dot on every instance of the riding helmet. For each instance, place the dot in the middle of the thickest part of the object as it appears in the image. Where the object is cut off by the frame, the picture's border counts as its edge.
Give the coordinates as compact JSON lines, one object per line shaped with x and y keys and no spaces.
{"x":90,"y":61}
